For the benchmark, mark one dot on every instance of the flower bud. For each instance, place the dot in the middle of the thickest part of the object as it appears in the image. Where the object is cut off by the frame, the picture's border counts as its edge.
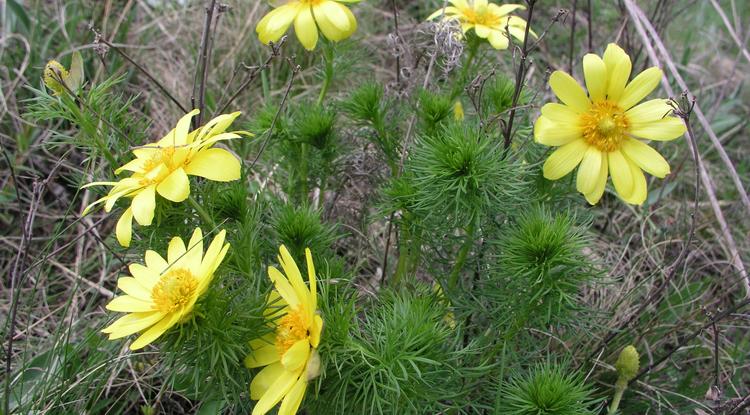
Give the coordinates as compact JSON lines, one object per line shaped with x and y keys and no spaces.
{"x":627,"y":363}
{"x":54,"y":76}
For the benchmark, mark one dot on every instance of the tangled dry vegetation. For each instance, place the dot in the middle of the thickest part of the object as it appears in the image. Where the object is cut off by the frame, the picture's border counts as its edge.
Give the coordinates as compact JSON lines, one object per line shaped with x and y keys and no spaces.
{"x":672,"y":274}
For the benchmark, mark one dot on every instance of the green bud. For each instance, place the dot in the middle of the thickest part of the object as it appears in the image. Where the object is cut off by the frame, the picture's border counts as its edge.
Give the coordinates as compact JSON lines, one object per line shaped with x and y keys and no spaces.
{"x":627,"y":363}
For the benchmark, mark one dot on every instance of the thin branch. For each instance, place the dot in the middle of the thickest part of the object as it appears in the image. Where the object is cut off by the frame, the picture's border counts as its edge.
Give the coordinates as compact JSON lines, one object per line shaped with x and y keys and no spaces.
{"x":269,"y":133}
{"x":201,"y":70}
{"x":520,"y":76}
{"x":99,"y":38}
{"x":571,"y":47}
{"x":275,"y":51}
{"x":642,"y":24}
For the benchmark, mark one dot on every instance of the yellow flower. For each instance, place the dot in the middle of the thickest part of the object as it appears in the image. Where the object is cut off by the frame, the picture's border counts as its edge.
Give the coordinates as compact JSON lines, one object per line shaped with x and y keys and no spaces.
{"x":489,"y":21}
{"x":335,"y":21}
{"x":603,"y":131}
{"x":458,"y":110}
{"x":163,"y":292}
{"x":163,"y":167}
{"x":57,"y":78}
{"x":289,"y":355}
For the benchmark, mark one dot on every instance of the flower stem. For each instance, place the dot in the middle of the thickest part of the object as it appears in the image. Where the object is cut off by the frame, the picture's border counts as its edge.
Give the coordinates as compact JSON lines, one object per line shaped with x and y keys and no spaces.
{"x":328,"y":58}
{"x":619,"y":390}
{"x":201,"y":212}
{"x":462,"y":254}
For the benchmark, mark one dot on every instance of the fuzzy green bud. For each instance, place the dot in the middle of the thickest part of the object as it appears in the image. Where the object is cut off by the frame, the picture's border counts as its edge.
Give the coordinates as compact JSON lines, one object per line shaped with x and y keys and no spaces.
{"x":627,"y":363}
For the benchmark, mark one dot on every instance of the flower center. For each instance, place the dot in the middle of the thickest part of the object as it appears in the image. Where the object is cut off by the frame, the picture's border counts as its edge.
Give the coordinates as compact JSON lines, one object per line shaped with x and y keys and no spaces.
{"x":604,"y":126}
{"x":481,"y":16}
{"x":174,"y":290}
{"x":161,"y":157}
{"x":291,"y":329}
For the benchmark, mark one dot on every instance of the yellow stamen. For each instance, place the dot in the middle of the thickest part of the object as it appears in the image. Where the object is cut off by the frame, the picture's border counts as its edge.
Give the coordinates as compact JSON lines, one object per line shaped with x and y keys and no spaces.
{"x":604,"y":126}
{"x":174,"y":290}
{"x":291,"y":329}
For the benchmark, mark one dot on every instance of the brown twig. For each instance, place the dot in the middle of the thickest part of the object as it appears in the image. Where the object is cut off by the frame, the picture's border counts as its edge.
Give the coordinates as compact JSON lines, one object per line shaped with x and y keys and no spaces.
{"x":571,"y":47}
{"x":164,"y":90}
{"x":201,"y":69}
{"x":642,"y":25}
{"x":275,"y":51}
{"x":295,"y":71}
{"x":520,"y":75}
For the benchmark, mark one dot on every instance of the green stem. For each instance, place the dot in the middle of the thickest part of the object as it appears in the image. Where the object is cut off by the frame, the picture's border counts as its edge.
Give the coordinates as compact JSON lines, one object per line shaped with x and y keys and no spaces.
{"x":201,"y":212}
{"x":403,"y":256}
{"x":473,"y":48}
{"x":461,"y":258}
{"x":619,"y":390}
{"x":328,"y":58}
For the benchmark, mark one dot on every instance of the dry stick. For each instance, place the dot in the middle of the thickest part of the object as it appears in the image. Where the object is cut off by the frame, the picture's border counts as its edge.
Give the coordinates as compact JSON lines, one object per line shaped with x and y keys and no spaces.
{"x":407,"y":141}
{"x":394,"y":9}
{"x":640,"y":21}
{"x":572,"y":37}
{"x":275,"y":51}
{"x":100,"y":38}
{"x":689,"y":338}
{"x":520,"y":75}
{"x":201,"y":70}
{"x":590,"y":29}
{"x":671,"y":270}
{"x":637,"y":14}
{"x":295,"y":71}
{"x":732,"y":33}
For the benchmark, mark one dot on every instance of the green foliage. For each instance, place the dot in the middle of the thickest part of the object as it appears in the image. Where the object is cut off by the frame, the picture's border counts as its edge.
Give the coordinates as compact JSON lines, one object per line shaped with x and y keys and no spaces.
{"x":548,"y":388}
{"x":203,"y":352}
{"x":300,"y":227}
{"x":539,"y":271}
{"x":433,"y":110}
{"x":397,"y":360}
{"x":461,"y":174}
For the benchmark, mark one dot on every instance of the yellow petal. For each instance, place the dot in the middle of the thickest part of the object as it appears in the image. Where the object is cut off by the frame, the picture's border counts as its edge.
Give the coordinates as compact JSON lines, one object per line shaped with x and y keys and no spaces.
{"x":294,"y":276}
{"x":336,"y":14}
{"x":175,"y":187}
{"x":273,"y":25}
{"x":509,"y":8}
{"x":588,"y":171}
{"x":330,"y":30}
{"x":601,"y":183}
{"x":293,"y":399}
{"x":560,"y":113}
{"x":564,"y":159}
{"x":131,"y":287}
{"x":651,"y":110}
{"x":147,"y":277}
{"x":129,"y":304}
{"x":214,"y":164}
{"x":622,"y":178}
{"x":595,"y":73}
{"x":498,"y":40}
{"x":316,"y":330}
{"x":132,"y":323}
{"x":640,"y":191}
{"x":176,"y":252}
{"x":305,"y":28}
{"x":143,"y":205}
{"x":618,"y":71}
{"x":155,"y":262}
{"x":312,"y":280}
{"x":124,"y":228}
{"x":640,"y":87}
{"x":482,"y":31}
{"x":194,"y":247}
{"x":216,"y":126}
{"x":178,"y":136}
{"x":209,"y":263}
{"x":283,"y":287}
{"x":275,"y":391}
{"x":645,"y":157}
{"x":555,"y":133}
{"x":263,"y":353}
{"x":568,"y":91}
{"x":296,"y":356}
{"x":665,"y":129}
{"x":155,"y":331}
{"x":264,"y":379}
